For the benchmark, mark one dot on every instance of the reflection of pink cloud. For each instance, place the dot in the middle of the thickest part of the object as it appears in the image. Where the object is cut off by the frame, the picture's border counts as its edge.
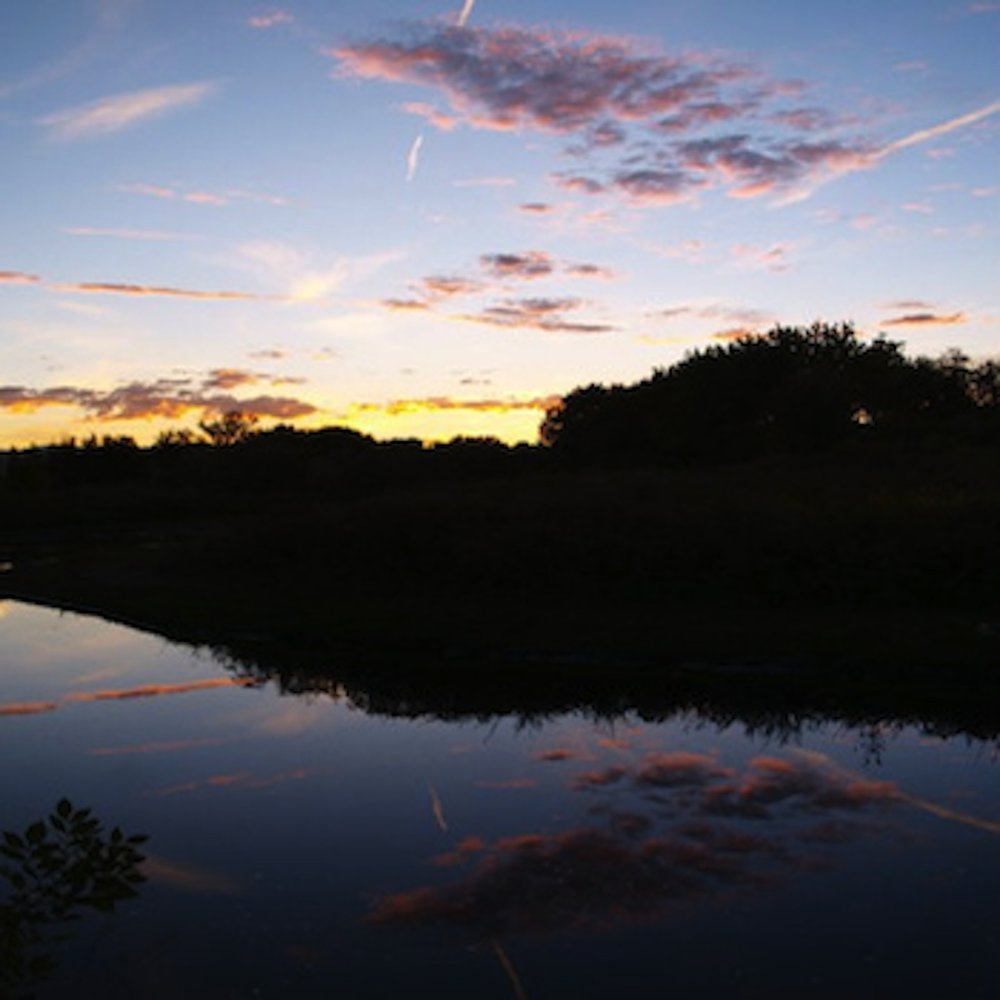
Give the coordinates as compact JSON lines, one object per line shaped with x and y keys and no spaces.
{"x":507,"y":783}
{"x":163,"y":746}
{"x":598,"y":779}
{"x":238,"y":779}
{"x":188,"y":878}
{"x":614,"y":743}
{"x":155,"y":690}
{"x":462,"y":852}
{"x":28,"y":707}
{"x":556,"y":754}
{"x":691,"y":827}
{"x":679,"y":768}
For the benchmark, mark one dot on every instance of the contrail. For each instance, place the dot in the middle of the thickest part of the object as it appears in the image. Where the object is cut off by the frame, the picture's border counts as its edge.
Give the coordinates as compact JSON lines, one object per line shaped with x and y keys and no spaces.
{"x":508,"y":967}
{"x":438,"y":810}
{"x":865,"y":161}
{"x":413,"y":159}
{"x":935,"y":130}
{"x":466,"y":11}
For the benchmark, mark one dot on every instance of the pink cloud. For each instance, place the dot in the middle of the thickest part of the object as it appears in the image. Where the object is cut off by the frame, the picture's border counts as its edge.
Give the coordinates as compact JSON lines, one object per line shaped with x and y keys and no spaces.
{"x":536,"y":208}
{"x":18,"y":278}
{"x":141,"y":291}
{"x":441,"y":287}
{"x":525,"y":266}
{"x":428,"y":112}
{"x":927,"y":319}
{"x":770,"y":258}
{"x":617,"y":94}
{"x":547,"y":315}
{"x":166,"y":397}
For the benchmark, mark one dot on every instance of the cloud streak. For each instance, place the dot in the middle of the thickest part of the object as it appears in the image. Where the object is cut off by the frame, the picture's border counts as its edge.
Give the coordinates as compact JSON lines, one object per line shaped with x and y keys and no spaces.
{"x":161,"y":291}
{"x":122,"y":111}
{"x":437,"y":404}
{"x":18,"y":278}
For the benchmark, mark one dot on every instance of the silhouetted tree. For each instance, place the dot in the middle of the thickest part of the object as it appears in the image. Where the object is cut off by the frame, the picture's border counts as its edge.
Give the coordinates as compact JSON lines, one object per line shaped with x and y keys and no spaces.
{"x":231,"y":428}
{"x":790,"y":389}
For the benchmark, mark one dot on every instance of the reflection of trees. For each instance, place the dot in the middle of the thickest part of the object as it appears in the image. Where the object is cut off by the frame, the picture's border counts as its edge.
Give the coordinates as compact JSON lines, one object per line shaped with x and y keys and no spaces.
{"x":780,"y":704}
{"x":59,"y":866}
{"x":673,"y":828}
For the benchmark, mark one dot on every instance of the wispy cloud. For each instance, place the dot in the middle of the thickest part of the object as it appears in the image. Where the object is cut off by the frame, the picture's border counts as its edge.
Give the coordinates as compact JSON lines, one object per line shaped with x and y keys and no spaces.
{"x":121,"y":111}
{"x":547,"y":315}
{"x":426,"y":404}
{"x":926,"y":319}
{"x":117,"y":288}
{"x":152,"y":235}
{"x":775,"y":257}
{"x":197,"y":197}
{"x":438,"y":119}
{"x":476,"y":182}
{"x":307,"y":278}
{"x":270,"y":20}
{"x":18,"y":278}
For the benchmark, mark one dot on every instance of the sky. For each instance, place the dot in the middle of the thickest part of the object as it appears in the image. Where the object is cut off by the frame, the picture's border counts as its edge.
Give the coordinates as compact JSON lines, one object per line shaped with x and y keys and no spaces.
{"x":424,"y":219}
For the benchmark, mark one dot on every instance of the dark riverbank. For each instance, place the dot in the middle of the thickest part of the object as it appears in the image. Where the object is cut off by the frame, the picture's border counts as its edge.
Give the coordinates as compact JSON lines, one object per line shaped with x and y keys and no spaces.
{"x":860,"y":579}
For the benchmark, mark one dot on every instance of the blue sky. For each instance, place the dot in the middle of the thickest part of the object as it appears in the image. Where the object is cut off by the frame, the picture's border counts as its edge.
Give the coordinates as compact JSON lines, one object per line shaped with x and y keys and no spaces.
{"x":376,"y":215}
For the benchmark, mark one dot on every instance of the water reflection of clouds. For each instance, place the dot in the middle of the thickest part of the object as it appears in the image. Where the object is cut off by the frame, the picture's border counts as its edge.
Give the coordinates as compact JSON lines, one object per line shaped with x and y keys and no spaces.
{"x":117,"y":694}
{"x":28,"y":707}
{"x":160,"y":746}
{"x":238,"y":779}
{"x":664,"y":830}
{"x":189,"y":878}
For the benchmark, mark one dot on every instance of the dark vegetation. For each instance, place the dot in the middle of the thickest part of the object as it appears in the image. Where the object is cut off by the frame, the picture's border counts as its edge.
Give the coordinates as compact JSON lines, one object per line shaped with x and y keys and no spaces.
{"x":51,"y":873}
{"x":802,"y":496}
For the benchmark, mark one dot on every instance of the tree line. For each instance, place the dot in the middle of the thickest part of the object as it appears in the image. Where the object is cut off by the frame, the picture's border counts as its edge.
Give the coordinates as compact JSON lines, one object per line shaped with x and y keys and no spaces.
{"x":792,"y":390}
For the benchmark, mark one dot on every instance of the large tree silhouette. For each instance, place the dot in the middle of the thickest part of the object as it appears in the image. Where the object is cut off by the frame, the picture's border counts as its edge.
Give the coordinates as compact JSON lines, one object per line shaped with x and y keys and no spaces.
{"x":790,"y":389}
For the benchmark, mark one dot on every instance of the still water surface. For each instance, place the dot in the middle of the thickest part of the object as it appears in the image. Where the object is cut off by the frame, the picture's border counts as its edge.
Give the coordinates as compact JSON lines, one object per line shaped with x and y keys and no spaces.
{"x":300,"y":847}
